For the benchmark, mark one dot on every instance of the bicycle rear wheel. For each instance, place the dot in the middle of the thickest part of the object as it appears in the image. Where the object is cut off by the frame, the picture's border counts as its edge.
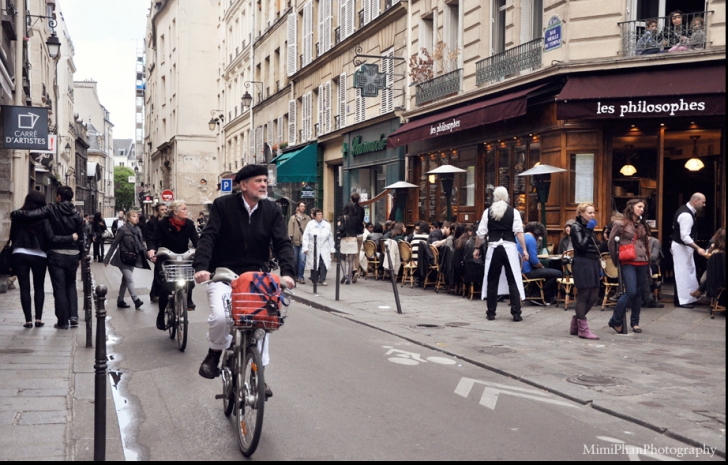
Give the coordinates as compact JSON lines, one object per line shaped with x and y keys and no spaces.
{"x":250,"y":399}
{"x":180,"y":302}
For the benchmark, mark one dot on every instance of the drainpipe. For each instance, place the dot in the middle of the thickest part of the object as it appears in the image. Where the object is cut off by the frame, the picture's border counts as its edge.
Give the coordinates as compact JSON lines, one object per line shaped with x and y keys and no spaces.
{"x":20,"y":157}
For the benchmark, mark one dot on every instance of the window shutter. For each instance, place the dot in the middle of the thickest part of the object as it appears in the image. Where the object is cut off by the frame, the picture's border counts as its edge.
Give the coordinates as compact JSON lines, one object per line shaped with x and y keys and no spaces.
{"x":269,"y":137}
{"x":327,"y":107}
{"x":320,"y":103}
{"x":258,"y":143}
{"x":342,"y":101}
{"x":350,"y":15}
{"x":386,"y":105}
{"x":308,"y":33}
{"x":321,"y":27}
{"x":360,"y":107}
{"x":292,"y":48}
{"x":343,"y":12}
{"x":367,"y":11}
{"x":328,"y":23}
{"x":252,"y":147}
{"x":526,"y":21}
{"x":376,"y":9}
{"x":309,"y":116}
{"x":281,"y":122}
{"x":291,"y":122}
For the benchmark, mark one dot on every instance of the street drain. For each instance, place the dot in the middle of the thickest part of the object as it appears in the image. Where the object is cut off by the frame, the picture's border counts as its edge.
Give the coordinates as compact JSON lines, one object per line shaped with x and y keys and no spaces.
{"x":493,"y":350}
{"x":15,"y":351}
{"x":427,"y":326}
{"x":586,"y":380}
{"x":456,"y":324}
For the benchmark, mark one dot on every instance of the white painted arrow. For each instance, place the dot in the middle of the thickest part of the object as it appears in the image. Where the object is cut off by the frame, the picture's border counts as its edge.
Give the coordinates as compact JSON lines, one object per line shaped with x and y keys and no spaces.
{"x":492,"y":390}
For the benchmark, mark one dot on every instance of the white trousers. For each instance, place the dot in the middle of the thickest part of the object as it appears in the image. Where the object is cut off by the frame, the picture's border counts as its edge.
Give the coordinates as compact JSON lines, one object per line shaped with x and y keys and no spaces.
{"x":686,"y":278}
{"x":219,"y":295}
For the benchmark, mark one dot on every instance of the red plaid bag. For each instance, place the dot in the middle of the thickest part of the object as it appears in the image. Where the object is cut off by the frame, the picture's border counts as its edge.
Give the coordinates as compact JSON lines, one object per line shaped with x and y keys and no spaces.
{"x":256,"y":301}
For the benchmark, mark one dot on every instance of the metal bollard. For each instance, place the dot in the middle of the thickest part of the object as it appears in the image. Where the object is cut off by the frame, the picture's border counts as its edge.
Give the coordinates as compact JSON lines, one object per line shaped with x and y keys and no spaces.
{"x":87,"y":296}
{"x":394,"y":279}
{"x":338,"y":272}
{"x":315,"y":264}
{"x":101,"y":375}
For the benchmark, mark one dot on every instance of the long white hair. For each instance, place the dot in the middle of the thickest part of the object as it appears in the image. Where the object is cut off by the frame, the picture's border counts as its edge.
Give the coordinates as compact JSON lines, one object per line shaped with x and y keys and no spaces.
{"x":500,"y":203}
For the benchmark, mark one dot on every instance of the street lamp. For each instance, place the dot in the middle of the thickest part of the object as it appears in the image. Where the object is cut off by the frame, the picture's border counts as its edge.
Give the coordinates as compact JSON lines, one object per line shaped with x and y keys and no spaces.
{"x":401,"y":189}
{"x":215,"y":120}
{"x":447,"y":176}
{"x":542,"y":176}
{"x":54,"y":46}
{"x":67,"y":149}
{"x":247,"y":100}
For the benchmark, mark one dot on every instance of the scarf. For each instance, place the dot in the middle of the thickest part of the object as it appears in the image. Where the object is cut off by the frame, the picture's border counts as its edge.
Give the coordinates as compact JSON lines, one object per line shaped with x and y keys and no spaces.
{"x":177,"y":224}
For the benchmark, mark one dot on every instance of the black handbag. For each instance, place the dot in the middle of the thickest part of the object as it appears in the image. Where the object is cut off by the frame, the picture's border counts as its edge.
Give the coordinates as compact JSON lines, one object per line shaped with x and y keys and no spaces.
{"x":6,"y":260}
{"x":127,"y":257}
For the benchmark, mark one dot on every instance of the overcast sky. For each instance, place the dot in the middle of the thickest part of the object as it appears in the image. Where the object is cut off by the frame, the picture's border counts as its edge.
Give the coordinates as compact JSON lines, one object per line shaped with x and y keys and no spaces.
{"x":106,"y":34}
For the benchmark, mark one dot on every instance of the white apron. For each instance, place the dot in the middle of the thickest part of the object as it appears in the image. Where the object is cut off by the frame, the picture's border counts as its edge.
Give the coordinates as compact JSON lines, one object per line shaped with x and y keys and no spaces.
{"x":686,"y":279}
{"x":515,"y":263}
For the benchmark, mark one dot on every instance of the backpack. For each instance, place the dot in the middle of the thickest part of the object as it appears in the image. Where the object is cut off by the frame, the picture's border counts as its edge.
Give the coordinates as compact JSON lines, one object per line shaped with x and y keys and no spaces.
{"x":256,"y":301}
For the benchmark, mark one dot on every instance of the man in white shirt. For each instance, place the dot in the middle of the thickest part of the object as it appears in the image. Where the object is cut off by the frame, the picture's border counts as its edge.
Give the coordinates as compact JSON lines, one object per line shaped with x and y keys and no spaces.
{"x":684,"y":232}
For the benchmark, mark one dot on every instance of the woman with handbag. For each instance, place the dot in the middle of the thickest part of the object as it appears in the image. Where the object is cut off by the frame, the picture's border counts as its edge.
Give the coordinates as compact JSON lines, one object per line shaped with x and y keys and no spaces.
{"x":99,"y":236}
{"x":633,"y":253}
{"x":348,"y":245}
{"x":30,"y":240}
{"x":585,"y":268}
{"x":129,"y":240}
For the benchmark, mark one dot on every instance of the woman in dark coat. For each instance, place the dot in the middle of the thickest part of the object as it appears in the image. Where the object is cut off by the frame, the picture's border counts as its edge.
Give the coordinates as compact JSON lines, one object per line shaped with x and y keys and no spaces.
{"x":585,"y":268}
{"x":30,"y":240}
{"x":130,"y":242}
{"x":99,"y":228}
{"x":174,"y":232}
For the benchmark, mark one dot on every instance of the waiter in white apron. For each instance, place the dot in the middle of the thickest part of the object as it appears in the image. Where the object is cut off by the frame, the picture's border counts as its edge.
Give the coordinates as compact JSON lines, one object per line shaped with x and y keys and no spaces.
{"x":502,"y":224}
{"x":684,"y":232}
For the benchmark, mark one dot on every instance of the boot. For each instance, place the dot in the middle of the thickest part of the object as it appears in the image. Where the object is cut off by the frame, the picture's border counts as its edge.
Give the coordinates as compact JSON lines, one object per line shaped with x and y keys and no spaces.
{"x":160,"y":321}
{"x":583,"y":330}
{"x":573,"y":329}
{"x":209,"y":369}
{"x":138,"y":302}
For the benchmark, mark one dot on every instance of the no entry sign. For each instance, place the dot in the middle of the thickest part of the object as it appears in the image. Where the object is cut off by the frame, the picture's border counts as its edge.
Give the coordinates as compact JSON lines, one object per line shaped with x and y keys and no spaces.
{"x":167,"y":196}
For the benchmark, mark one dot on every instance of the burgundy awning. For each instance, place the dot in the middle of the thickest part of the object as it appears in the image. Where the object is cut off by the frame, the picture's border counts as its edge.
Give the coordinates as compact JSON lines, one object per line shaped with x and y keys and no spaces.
{"x":495,"y":109}
{"x":647,"y":93}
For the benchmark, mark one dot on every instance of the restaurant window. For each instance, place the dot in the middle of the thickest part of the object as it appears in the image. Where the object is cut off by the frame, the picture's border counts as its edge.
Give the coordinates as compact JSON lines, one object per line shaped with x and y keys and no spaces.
{"x":634,"y":172}
{"x":508,"y":160}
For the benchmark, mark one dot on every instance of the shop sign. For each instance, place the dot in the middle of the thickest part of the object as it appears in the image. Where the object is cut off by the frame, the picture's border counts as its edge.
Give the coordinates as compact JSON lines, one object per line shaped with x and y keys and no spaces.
{"x":552,"y":36}
{"x":359,"y":148}
{"x":651,"y":107}
{"x":445,"y":126}
{"x":631,"y":108}
{"x":26,"y":128}
{"x":307,"y":192}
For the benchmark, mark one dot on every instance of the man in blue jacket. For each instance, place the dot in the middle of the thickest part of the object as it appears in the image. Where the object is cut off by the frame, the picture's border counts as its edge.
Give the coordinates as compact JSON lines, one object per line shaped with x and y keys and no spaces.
{"x":532,"y":267}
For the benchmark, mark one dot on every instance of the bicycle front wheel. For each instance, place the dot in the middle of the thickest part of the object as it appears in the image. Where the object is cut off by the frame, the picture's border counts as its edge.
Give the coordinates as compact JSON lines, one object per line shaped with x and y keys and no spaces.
{"x":180,"y":304}
{"x":251,"y":399}
{"x":170,"y":314}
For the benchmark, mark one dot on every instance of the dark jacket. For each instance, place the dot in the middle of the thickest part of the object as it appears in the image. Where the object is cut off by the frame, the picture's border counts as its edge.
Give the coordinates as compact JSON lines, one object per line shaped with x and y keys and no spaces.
{"x":115,"y":225}
{"x":359,"y":227}
{"x":64,"y":221}
{"x":128,"y":239}
{"x":235,"y":240}
{"x":629,"y":233}
{"x":583,"y":240}
{"x":99,"y":227}
{"x":347,"y":226}
{"x":34,"y":235}
{"x":166,"y":235}
{"x":150,"y":227}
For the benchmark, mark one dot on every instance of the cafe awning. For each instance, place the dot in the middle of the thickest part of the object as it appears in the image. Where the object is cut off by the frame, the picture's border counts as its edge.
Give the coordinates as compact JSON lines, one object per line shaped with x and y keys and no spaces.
{"x":298,"y":165}
{"x":502,"y":107}
{"x":646,"y":93}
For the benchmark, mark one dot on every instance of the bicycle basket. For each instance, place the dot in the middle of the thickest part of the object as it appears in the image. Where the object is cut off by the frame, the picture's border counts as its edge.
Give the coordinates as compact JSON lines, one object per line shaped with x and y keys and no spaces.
{"x":256,"y":301}
{"x":179,"y":270}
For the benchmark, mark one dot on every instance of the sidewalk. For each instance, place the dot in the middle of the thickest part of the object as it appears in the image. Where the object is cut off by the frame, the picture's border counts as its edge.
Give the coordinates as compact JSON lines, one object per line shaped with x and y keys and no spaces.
{"x":671,"y":378}
{"x":47,"y":388}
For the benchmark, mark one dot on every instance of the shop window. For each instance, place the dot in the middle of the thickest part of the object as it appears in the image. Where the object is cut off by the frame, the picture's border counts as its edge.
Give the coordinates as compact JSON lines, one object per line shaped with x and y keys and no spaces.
{"x":489,"y":176}
{"x":634,"y":172}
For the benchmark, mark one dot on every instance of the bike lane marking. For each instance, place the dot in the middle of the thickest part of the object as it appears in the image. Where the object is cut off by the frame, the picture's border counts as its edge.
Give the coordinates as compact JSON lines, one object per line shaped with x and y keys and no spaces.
{"x":490,"y":395}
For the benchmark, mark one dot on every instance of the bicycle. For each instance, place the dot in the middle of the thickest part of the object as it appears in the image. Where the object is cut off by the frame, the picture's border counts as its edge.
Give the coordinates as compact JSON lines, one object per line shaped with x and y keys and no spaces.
{"x":178,"y":272}
{"x":242,"y":371}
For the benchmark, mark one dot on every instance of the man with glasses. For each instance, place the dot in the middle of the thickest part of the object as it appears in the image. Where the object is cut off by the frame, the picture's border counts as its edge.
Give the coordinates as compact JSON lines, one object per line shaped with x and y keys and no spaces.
{"x":296,"y":227}
{"x":161,"y":210}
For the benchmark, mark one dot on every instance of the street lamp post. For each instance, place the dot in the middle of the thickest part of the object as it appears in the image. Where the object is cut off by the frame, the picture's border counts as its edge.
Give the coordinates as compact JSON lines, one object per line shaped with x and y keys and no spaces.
{"x":447,"y":177}
{"x":542,"y":176}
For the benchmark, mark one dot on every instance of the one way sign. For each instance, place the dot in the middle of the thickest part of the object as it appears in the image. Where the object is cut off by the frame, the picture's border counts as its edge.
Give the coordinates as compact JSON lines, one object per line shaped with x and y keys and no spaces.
{"x":492,"y":390}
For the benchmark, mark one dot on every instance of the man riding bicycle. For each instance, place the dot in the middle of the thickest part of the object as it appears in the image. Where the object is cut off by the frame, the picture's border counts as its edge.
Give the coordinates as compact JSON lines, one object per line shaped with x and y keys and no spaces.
{"x":238,"y":235}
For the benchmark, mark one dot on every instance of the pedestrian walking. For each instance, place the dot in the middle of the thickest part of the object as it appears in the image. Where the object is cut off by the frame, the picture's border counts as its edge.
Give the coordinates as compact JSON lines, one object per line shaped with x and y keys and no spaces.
{"x":320,"y":228}
{"x":118,"y":222}
{"x":64,"y":254}
{"x":633,"y":253}
{"x":502,"y":225}
{"x":585,"y":268}
{"x":30,"y":241}
{"x":88,"y":231}
{"x":161,"y":211}
{"x":348,"y":230}
{"x":359,"y":228}
{"x":683,"y":246}
{"x":130,"y":242}
{"x":99,"y":229}
{"x":296,"y":226}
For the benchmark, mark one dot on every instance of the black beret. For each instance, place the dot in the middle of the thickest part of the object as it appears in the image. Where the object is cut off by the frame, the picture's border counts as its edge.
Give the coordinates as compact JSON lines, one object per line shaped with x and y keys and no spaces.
{"x":249,"y":171}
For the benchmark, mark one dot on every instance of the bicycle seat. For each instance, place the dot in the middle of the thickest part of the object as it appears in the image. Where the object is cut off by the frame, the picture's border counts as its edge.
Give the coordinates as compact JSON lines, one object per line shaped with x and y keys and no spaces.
{"x":165,"y":253}
{"x":223,"y":275}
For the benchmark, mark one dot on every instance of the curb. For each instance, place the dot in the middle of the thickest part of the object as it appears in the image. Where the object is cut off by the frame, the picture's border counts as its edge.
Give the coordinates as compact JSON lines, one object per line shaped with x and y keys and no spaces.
{"x":590,"y":403}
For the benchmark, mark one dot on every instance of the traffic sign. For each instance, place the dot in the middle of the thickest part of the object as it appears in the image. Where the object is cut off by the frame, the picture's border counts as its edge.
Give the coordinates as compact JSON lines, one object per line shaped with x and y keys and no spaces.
{"x":167,"y":196}
{"x":226,"y":185}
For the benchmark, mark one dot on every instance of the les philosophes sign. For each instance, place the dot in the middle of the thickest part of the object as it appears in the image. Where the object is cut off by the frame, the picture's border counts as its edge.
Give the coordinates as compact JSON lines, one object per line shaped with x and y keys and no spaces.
{"x":25,"y":128}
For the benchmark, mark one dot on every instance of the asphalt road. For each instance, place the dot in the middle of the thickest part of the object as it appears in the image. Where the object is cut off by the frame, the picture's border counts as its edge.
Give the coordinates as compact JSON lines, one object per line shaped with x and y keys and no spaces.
{"x":344,"y":391}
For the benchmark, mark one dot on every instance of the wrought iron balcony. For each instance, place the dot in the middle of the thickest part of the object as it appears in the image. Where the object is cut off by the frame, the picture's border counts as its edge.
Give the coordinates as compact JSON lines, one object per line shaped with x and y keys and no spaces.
{"x":439,"y":87}
{"x":361,"y":19}
{"x":316,"y":130}
{"x":665,"y":34}
{"x":512,"y":61}
{"x":318,"y":54}
{"x":387,"y":4}
{"x":337,"y":35}
{"x":336,"y":123}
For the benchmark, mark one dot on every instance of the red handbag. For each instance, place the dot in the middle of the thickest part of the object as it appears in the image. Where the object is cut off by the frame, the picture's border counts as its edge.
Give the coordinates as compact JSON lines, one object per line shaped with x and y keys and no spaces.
{"x":627,"y":253}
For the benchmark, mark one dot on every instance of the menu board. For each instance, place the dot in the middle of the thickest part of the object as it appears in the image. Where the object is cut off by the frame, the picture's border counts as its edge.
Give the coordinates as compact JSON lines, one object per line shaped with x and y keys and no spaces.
{"x":584,"y":178}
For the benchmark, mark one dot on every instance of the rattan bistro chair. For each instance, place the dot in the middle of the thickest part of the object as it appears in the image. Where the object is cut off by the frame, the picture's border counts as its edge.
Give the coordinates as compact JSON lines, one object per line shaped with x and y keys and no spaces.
{"x":538,"y":282}
{"x":409,"y":266}
{"x":370,"y":251}
{"x":566,"y":282}
{"x":434,"y":267}
{"x":610,"y":280}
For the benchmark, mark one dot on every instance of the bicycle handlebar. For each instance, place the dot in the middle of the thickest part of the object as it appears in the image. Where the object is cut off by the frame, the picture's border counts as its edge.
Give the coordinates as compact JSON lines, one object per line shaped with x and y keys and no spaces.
{"x":164,"y":252}
{"x":226,"y":275}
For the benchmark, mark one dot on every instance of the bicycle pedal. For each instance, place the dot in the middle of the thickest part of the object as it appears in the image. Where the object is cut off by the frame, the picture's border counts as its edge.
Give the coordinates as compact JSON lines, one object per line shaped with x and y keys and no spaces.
{"x":220,"y":396}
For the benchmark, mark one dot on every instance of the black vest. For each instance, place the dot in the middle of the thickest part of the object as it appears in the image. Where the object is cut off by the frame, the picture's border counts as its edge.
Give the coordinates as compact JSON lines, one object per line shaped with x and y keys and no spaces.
{"x":676,"y":225}
{"x":501,"y":229}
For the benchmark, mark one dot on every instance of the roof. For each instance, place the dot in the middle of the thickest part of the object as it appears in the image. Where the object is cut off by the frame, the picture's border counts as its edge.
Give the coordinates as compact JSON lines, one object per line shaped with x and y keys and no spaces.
{"x":127,"y":145}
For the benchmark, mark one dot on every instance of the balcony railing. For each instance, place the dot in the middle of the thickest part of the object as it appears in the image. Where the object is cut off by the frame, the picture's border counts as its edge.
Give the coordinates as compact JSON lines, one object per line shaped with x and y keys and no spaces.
{"x":665,"y":34}
{"x":316,"y":130}
{"x":512,"y":61}
{"x":439,"y":87}
{"x":317,"y":50}
{"x":336,"y":123}
{"x":361,"y":19}
{"x":337,"y":35}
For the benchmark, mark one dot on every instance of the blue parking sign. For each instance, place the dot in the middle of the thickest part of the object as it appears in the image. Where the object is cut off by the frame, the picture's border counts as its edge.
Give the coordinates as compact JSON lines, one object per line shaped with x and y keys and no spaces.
{"x":226,"y":185}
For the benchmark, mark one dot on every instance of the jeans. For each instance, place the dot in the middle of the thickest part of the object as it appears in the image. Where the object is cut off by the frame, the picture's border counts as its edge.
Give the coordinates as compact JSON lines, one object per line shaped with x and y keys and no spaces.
{"x":634,"y":278}
{"x":62,"y":270}
{"x":300,"y":258}
{"x":99,"y":249}
{"x":549,"y":286}
{"x":23,"y":264}
{"x":127,"y":283}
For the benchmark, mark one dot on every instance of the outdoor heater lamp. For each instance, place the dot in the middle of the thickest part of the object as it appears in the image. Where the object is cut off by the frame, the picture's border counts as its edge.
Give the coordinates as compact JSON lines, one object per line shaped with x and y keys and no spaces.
{"x":401,"y":188}
{"x":542,"y":176}
{"x":447,"y":176}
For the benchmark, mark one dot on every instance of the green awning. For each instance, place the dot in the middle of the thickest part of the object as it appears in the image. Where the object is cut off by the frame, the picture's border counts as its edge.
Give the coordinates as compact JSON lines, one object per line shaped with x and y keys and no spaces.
{"x":283,"y":157}
{"x":298,"y":166}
